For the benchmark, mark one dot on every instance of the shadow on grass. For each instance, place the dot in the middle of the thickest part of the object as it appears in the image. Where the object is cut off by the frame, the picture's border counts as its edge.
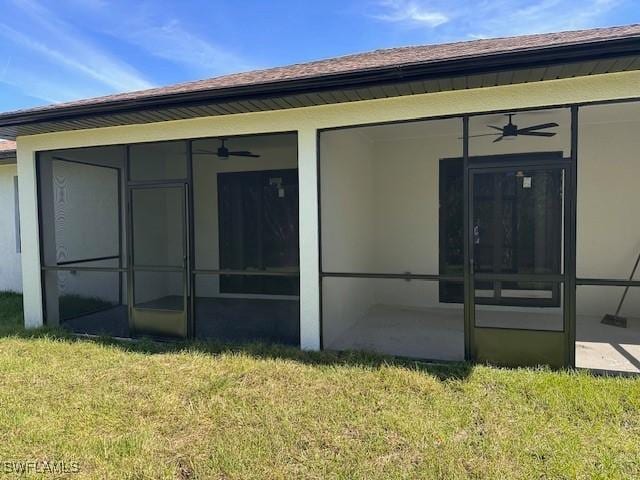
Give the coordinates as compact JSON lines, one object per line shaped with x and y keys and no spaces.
{"x":442,"y":371}
{"x":11,"y":321}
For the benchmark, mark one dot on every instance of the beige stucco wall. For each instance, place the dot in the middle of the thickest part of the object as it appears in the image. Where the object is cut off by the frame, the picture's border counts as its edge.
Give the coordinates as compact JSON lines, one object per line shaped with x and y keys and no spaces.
{"x":306,"y":121}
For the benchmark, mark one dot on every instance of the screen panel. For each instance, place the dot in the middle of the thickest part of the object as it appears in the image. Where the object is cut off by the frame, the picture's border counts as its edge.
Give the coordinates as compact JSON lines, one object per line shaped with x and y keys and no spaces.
{"x":244,"y":318}
{"x":80,"y":211}
{"x":158,"y":161}
{"x":90,"y":302}
{"x":608,"y":328}
{"x":380,"y":202}
{"x":158,"y":220}
{"x":608,"y":224}
{"x":391,"y":316}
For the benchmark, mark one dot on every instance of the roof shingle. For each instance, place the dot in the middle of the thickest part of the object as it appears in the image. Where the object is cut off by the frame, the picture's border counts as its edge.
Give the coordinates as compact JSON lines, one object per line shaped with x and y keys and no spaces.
{"x":362,"y":62}
{"x":7,"y":146}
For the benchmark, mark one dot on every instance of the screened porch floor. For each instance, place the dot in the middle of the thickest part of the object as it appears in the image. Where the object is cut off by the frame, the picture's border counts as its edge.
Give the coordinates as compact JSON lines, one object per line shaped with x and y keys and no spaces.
{"x":433,"y":333}
{"x":604,"y":347}
{"x":427,"y":333}
{"x":438,"y":334}
{"x":223,"y":319}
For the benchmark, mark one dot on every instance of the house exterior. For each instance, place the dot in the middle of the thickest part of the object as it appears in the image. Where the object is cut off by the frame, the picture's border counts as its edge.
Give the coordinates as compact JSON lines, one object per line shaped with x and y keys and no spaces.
{"x":473,"y":201}
{"x":10,"y":262}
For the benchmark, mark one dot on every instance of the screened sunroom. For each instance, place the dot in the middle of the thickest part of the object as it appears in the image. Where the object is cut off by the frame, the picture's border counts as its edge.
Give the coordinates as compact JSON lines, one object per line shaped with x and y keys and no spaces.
{"x":472,"y":201}
{"x":173,"y":239}
{"x":506,"y":236}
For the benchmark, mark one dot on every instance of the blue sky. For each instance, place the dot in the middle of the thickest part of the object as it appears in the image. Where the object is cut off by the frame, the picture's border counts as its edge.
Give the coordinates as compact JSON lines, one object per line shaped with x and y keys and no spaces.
{"x":56,"y":51}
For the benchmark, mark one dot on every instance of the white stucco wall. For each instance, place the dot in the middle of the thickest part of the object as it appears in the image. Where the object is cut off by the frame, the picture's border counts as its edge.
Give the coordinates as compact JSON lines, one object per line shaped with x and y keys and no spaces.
{"x":306,"y":121}
{"x":348,"y":219}
{"x":10,"y":262}
{"x":608,"y":223}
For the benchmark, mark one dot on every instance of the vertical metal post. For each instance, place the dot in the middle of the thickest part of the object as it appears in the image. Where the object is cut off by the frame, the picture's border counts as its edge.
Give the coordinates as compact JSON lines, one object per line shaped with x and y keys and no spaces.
{"x":41,"y":256}
{"x":468,"y":293}
{"x":129,"y":240}
{"x":120,"y":232}
{"x":48,"y":253}
{"x":190,"y":227}
{"x":570,"y":253}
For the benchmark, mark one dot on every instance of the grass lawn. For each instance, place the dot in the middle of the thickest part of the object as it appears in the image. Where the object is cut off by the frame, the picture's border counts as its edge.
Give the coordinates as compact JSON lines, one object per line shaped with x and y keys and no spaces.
{"x":204,"y":411}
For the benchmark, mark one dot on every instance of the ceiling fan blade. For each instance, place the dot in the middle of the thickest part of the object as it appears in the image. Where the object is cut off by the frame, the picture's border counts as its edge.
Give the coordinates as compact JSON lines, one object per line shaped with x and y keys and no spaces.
{"x":538,"y":127}
{"x":244,"y":154}
{"x":498,"y":139}
{"x":204,"y":152}
{"x":482,"y":135}
{"x":496,"y":128}
{"x":538,"y":134}
{"x":235,"y":154}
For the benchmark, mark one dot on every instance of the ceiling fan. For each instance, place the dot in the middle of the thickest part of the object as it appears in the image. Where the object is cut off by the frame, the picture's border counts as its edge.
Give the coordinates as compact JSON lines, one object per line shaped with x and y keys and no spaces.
{"x":512,"y":130}
{"x":224,"y":152}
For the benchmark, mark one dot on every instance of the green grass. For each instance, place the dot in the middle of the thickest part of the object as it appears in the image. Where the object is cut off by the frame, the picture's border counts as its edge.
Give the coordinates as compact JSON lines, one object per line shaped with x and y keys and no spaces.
{"x":145,"y":410}
{"x":10,"y":312}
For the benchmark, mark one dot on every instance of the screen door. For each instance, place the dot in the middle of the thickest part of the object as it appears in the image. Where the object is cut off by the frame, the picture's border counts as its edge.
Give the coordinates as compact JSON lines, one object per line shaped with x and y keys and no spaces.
{"x":159,"y":257}
{"x":517,"y":242}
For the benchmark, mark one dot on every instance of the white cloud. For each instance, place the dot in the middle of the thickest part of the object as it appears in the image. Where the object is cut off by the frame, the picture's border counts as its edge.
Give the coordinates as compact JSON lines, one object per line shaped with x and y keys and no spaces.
{"x":491,"y":18}
{"x":89,"y":68}
{"x":549,"y":15}
{"x":157,"y":32}
{"x":41,"y":87}
{"x":76,"y":55}
{"x":410,"y":12}
{"x":171,"y":41}
{"x":56,"y":61}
